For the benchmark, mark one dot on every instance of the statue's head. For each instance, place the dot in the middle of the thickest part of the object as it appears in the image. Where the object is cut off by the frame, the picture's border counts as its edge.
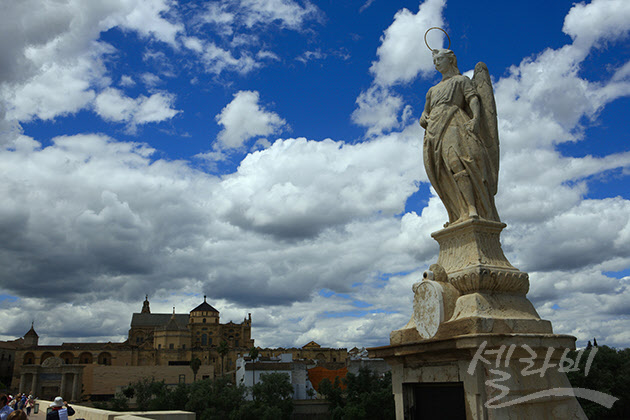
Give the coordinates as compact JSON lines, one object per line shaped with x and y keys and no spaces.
{"x":446,"y":58}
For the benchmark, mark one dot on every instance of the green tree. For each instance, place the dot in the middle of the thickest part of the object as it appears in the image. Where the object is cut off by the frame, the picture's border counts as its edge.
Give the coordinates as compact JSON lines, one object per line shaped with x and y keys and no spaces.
{"x":609,"y":373}
{"x":118,"y":403}
{"x":155,"y":395}
{"x":174,"y":398}
{"x":275,"y":390}
{"x":272,"y":399}
{"x":145,"y":390}
{"x":195,"y":364}
{"x":217,"y":399}
{"x":367,"y":396}
{"x":128,"y":392}
{"x":222,"y":349}
{"x":332,"y":392}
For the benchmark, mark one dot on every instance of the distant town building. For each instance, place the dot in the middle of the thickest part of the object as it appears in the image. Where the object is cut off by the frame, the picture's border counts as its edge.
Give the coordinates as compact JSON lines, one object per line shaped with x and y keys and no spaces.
{"x":358,"y":358}
{"x":162,"y":346}
{"x":7,"y":359}
{"x":158,"y":345}
{"x":310,"y":351}
{"x":306,"y":373}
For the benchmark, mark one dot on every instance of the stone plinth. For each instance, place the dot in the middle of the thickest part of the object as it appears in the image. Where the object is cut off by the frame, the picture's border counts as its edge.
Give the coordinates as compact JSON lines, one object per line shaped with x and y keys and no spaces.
{"x":473,"y":300}
{"x":472,"y":243}
{"x":491,"y":293}
{"x":485,"y":365}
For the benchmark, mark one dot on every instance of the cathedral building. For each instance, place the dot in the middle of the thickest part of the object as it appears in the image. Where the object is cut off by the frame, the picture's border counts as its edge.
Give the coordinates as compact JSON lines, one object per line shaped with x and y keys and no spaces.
{"x":169,"y":339}
{"x":158,"y":345}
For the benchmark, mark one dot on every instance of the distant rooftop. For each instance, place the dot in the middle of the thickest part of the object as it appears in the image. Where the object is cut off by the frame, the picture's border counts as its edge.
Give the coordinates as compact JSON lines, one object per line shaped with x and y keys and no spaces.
{"x":204,"y":307}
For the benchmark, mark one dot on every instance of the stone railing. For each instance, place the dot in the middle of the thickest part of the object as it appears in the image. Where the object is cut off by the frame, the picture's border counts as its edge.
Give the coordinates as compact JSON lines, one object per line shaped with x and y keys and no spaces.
{"x":89,"y":413}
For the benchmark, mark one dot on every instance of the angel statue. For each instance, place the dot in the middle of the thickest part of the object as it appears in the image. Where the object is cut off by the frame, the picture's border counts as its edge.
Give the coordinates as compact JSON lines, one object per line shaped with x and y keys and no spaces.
{"x":461,"y":141}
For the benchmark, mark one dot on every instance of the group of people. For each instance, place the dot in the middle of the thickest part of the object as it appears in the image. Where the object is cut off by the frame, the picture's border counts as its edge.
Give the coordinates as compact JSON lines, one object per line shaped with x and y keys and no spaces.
{"x":16,"y":408}
{"x":19,"y":408}
{"x":22,"y":402}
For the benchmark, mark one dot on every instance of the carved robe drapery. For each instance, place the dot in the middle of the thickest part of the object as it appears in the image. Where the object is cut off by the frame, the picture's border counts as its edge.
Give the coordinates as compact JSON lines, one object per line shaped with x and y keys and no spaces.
{"x":447,"y":139}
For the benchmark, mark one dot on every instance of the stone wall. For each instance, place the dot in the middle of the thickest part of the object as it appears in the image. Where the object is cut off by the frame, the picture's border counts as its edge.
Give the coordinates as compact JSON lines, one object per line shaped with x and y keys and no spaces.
{"x":107,"y":379}
{"x":89,"y":413}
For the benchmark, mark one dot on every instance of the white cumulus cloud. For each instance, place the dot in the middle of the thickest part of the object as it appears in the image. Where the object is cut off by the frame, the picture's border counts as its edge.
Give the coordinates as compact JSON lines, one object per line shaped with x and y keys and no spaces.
{"x":113,"y":105}
{"x":53,"y":63}
{"x":244,"y":118}
{"x":402,"y":53}
{"x":401,"y":57}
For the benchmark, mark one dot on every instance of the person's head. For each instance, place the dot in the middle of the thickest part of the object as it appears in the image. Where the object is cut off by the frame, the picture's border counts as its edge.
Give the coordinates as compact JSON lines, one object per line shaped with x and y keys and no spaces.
{"x":57,"y":403}
{"x":4,"y":400}
{"x":17,"y":415}
{"x":444,"y":59}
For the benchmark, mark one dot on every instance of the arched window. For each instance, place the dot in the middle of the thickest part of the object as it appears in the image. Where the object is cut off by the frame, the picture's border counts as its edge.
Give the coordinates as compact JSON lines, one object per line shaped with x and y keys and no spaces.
{"x":204,"y":320}
{"x":67,"y":357}
{"x":86,"y":358}
{"x":45,"y":356}
{"x":204,"y":339}
{"x":29,"y":359}
{"x":104,"y":358}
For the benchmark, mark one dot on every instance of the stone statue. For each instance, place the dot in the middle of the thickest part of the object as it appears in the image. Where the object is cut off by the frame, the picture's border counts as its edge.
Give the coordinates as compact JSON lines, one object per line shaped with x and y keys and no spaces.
{"x":472,"y":301}
{"x":461,"y":141}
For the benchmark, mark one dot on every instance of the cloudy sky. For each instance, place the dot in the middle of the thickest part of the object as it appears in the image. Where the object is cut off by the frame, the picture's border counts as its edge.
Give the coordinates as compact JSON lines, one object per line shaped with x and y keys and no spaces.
{"x":267,"y":153}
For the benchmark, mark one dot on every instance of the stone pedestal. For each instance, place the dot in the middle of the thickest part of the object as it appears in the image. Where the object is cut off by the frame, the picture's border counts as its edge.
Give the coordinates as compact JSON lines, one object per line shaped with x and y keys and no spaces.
{"x":474,"y":327}
{"x":491,"y":291}
{"x":495,"y":371}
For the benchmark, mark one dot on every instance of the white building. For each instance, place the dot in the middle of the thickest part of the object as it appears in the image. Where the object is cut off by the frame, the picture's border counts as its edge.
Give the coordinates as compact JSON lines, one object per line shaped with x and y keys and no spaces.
{"x":249,"y":372}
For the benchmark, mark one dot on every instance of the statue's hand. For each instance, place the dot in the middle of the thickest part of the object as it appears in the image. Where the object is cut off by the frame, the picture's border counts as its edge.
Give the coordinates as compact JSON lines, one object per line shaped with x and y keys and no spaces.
{"x":423,"y":121}
{"x":473,"y":126}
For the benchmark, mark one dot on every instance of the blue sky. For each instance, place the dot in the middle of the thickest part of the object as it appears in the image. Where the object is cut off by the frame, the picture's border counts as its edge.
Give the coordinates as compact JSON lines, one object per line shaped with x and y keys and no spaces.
{"x":267,"y":153}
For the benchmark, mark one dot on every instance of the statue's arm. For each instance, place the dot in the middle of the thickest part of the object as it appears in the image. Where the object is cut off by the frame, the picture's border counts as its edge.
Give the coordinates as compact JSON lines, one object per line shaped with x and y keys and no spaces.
{"x":475,"y":107}
{"x":427,"y":110}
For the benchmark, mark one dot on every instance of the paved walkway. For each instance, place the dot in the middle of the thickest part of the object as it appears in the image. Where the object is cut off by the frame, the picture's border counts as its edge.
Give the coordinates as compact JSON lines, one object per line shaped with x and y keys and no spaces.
{"x":41,"y":415}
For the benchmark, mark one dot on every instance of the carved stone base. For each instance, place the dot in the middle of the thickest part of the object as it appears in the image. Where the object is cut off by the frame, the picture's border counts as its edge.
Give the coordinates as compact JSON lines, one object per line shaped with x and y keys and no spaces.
{"x":472,"y":243}
{"x":472,"y":325}
{"x":482,"y":364}
{"x":483,"y":278}
{"x":492,"y":292}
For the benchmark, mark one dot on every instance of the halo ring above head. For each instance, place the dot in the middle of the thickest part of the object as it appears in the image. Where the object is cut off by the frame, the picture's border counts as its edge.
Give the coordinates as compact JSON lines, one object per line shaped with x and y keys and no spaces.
{"x":437,"y":27}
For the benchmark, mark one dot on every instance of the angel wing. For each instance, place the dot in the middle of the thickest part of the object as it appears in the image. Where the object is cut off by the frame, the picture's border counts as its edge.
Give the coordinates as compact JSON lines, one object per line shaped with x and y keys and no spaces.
{"x":488,"y":124}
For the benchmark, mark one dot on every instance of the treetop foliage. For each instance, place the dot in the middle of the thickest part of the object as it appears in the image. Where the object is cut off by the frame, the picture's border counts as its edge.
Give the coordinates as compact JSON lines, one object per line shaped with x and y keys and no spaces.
{"x":367,"y":396}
